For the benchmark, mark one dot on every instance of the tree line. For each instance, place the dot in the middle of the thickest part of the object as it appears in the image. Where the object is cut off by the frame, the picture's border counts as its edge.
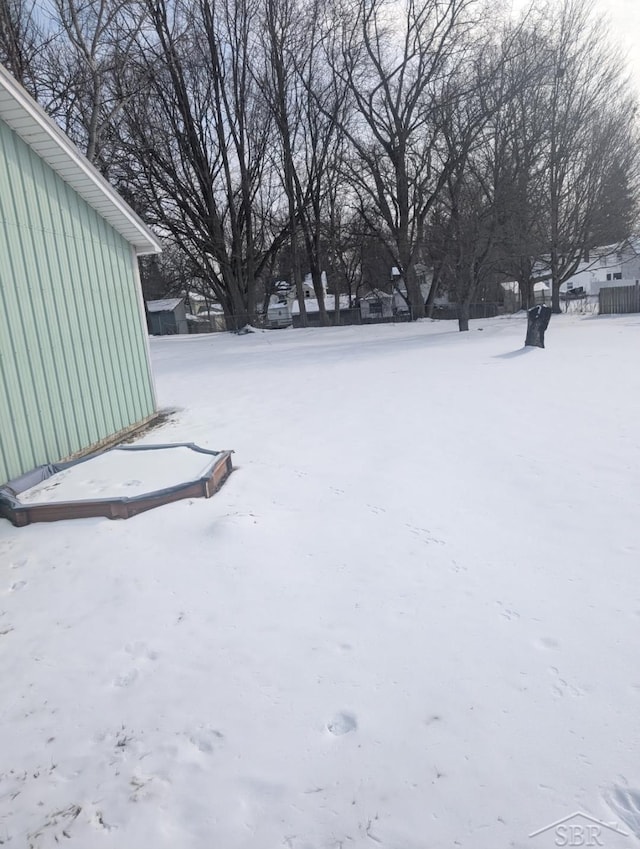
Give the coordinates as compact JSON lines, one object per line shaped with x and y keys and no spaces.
{"x":266,"y":139}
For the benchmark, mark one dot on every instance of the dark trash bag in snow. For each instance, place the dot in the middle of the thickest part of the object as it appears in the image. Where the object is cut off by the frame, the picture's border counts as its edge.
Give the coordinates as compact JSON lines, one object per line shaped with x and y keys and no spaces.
{"x":537,"y":322}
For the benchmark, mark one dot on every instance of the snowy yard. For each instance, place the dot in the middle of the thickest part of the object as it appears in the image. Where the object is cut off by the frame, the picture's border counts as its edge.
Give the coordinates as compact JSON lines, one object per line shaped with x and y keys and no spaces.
{"x":410,"y":619}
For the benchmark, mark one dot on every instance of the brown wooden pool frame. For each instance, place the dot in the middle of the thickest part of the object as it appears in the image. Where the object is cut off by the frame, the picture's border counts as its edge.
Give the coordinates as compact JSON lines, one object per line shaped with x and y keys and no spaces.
{"x":20,"y":514}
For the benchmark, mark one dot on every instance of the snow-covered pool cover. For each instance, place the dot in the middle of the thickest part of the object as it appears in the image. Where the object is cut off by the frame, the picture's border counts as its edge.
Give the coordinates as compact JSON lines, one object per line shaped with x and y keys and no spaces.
{"x":121,"y":473}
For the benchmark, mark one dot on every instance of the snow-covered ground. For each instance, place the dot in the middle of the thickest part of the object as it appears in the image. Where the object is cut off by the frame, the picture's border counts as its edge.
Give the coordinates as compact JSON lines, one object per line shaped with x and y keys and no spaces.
{"x":410,"y":619}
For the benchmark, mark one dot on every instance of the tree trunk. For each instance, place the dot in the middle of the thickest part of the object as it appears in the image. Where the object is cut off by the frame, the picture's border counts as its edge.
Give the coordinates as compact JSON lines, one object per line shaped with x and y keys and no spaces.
{"x":526,"y":294}
{"x":463,"y":316}
{"x":414,"y":294}
{"x":316,"y":279}
{"x":555,"y":297}
{"x":555,"y":280}
{"x":336,"y":295}
{"x":433,"y":290}
{"x":297,"y":276}
{"x":537,"y":322}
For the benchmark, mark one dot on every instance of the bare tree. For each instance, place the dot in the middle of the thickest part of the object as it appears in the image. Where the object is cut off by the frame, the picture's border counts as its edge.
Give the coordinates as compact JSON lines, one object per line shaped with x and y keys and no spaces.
{"x":469,"y":223}
{"x":520,"y":164}
{"x":398,"y":61}
{"x":308,"y":107}
{"x":22,"y":41}
{"x":197,"y":134}
{"x":282,"y":95}
{"x":467,"y":214}
{"x":591,"y":132}
{"x":94,"y":39}
{"x":18,"y":38}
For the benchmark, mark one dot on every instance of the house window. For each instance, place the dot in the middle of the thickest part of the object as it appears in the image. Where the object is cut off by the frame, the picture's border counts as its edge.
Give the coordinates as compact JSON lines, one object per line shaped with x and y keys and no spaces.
{"x":375,"y":308}
{"x":608,"y":277}
{"x":617,"y":275}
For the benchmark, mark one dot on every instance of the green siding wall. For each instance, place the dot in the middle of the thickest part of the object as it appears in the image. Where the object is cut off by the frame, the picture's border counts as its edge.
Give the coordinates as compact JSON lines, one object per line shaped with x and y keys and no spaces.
{"x":73,"y":358}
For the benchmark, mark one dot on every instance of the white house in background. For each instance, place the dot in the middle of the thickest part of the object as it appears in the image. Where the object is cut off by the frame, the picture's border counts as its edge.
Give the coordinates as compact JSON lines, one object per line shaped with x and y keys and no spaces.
{"x":606,"y":266}
{"x":215,"y":316}
{"x":610,"y":265}
{"x":376,"y":305}
{"x":541,"y":293}
{"x":312,"y":309}
{"x":425,"y":280}
{"x":285,"y":292}
{"x":307,"y":285}
{"x":194,"y":302}
{"x":312,"y":306}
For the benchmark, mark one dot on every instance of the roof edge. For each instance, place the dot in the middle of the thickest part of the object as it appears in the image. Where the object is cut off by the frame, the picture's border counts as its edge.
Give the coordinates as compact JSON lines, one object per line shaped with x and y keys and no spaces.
{"x":37,"y":113}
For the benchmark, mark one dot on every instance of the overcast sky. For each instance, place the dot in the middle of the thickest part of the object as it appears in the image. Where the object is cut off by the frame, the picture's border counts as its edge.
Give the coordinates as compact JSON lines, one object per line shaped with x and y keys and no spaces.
{"x":624,"y":17}
{"x":625,"y":30}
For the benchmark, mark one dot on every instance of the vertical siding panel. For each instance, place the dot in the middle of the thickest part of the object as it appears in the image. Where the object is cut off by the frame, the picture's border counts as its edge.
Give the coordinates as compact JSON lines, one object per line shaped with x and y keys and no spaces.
{"x":147,"y":385}
{"x":84,"y":379}
{"x":73,"y":351}
{"x":80,"y":307}
{"x":8,"y":444}
{"x":42,"y":347}
{"x":25,"y":198}
{"x":23,"y":330}
{"x":109,"y":293}
{"x":146,"y":396}
{"x":61,"y":318}
{"x":121,"y":317}
{"x":45,"y":270}
{"x":14,"y":430}
{"x":17,"y":446}
{"x":104,"y":388}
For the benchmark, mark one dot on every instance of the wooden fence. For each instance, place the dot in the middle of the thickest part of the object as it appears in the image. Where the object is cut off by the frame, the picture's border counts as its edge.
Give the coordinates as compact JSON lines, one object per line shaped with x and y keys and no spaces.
{"x":620,"y":299}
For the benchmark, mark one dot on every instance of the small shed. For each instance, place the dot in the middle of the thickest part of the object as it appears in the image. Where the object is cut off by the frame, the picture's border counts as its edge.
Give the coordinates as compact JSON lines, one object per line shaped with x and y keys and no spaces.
{"x":74,"y":359}
{"x":375,"y":306}
{"x":167,"y":317}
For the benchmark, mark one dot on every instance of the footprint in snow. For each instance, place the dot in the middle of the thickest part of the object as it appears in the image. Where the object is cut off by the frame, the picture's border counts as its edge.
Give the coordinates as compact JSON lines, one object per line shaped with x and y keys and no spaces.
{"x":561,"y":687}
{"x":140,"y":651}
{"x":126,"y":678}
{"x":507,"y":612}
{"x":205,"y":740}
{"x":625,"y":803}
{"x":342,"y":723}
{"x":547,"y":643}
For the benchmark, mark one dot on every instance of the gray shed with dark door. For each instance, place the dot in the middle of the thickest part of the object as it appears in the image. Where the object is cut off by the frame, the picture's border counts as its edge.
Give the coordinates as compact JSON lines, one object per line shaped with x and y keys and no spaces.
{"x":167,"y":317}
